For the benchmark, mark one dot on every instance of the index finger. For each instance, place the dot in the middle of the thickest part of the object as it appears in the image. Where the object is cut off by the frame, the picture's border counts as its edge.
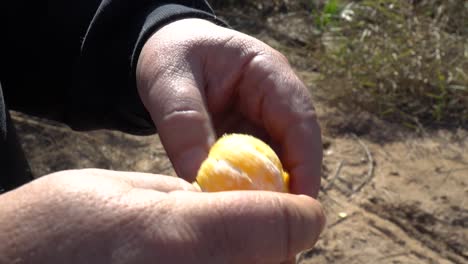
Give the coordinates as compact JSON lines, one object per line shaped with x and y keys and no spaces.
{"x":282,"y":104}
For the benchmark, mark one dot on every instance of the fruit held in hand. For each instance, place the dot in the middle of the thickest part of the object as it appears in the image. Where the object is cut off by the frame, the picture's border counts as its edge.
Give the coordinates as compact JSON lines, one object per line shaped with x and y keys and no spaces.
{"x":242,"y":162}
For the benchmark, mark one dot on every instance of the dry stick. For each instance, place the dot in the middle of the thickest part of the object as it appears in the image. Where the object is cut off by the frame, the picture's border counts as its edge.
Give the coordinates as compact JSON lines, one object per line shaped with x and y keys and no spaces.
{"x":393,"y":256}
{"x":454,"y":170}
{"x":341,"y":220}
{"x":370,"y":173}
{"x":335,"y":176}
{"x":325,"y":192}
{"x":331,"y":182}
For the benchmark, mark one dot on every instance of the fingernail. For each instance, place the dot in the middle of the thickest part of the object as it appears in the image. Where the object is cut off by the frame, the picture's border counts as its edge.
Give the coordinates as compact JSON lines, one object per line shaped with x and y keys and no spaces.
{"x":188,"y":163}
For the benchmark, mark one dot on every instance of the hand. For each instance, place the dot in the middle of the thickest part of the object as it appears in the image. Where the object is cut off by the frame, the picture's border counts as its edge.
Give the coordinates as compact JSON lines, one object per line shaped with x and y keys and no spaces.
{"x":199,"y":80}
{"x":98,"y":216}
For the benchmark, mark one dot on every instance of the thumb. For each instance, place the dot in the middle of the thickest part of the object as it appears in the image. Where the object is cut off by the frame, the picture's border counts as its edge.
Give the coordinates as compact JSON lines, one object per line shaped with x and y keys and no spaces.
{"x":252,"y":227}
{"x":170,"y":90}
{"x":157,"y":182}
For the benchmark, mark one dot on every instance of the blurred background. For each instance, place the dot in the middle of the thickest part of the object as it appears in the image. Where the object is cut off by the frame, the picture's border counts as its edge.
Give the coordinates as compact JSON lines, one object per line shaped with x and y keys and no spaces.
{"x":390,"y":83}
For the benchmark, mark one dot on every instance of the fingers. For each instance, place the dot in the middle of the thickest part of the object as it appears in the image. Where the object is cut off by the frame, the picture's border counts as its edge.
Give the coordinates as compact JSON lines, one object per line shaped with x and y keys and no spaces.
{"x":253,"y":227}
{"x":161,"y":183}
{"x":183,"y":125}
{"x":173,"y":96}
{"x":237,"y":73}
{"x":273,"y":96}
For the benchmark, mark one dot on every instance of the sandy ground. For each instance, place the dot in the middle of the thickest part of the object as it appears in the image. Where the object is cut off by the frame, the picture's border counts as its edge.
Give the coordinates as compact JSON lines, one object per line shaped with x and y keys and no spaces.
{"x":398,"y":198}
{"x":404,"y":201}
{"x":399,"y":202}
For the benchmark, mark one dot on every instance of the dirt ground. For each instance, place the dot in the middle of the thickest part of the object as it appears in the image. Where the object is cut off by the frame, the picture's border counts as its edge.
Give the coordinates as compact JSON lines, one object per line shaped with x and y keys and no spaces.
{"x":398,"y":202}
{"x":398,"y":198}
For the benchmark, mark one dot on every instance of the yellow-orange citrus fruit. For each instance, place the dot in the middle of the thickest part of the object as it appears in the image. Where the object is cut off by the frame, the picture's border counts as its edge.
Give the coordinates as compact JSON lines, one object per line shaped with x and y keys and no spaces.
{"x":242,"y":162}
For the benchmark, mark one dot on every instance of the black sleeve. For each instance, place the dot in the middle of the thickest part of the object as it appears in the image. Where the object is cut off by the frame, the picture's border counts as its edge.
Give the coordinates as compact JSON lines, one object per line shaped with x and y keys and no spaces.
{"x":109,"y":54}
{"x":105,"y":91}
{"x":74,"y":61}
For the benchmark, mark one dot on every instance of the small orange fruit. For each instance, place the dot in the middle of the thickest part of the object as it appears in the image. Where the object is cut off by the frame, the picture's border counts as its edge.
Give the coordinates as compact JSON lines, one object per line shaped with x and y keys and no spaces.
{"x":242,"y":162}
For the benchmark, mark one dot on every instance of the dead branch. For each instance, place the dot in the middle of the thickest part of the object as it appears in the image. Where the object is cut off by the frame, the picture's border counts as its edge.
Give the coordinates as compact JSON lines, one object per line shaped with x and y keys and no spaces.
{"x":335,"y":176}
{"x":370,"y":172}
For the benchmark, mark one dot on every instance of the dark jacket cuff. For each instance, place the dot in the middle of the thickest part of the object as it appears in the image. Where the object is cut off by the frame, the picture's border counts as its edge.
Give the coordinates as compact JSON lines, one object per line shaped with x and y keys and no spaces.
{"x":164,"y":15}
{"x":105,"y":93}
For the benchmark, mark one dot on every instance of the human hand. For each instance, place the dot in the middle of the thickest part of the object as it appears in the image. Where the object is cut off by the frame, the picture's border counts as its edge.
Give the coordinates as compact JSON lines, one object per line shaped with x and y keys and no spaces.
{"x":199,"y":80}
{"x":98,"y":216}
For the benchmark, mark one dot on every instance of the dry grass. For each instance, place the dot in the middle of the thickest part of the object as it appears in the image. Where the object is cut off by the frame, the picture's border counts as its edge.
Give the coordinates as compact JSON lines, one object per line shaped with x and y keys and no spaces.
{"x":403,"y":61}
{"x":398,"y":61}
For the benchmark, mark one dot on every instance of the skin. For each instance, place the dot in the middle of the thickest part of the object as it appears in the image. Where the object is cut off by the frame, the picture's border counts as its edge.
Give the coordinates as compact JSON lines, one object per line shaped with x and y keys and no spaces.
{"x":198,"y":77}
{"x":99,"y":216}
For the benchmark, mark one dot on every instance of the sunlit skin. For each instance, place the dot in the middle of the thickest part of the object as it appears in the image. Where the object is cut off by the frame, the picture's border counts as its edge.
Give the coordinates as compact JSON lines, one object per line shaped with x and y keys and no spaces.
{"x":100,"y":216}
{"x":197,"y":80}
{"x":208,"y":80}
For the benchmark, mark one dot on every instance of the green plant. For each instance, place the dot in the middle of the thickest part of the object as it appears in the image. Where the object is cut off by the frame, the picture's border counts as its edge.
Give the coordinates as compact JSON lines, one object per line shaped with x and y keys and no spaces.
{"x":328,"y":14}
{"x":397,"y":63}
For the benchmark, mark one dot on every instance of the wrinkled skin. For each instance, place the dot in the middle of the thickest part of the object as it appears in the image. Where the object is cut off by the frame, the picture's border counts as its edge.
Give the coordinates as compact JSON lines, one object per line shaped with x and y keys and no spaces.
{"x":204,"y":79}
{"x":99,"y":216}
{"x":198,"y":81}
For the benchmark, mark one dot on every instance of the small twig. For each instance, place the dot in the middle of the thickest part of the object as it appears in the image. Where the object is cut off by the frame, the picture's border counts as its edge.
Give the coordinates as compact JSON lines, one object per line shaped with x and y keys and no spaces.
{"x":335,"y":176}
{"x":454,"y":170}
{"x":370,"y":172}
{"x":332,"y":200}
{"x":341,"y":220}
{"x":392,"y":256}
